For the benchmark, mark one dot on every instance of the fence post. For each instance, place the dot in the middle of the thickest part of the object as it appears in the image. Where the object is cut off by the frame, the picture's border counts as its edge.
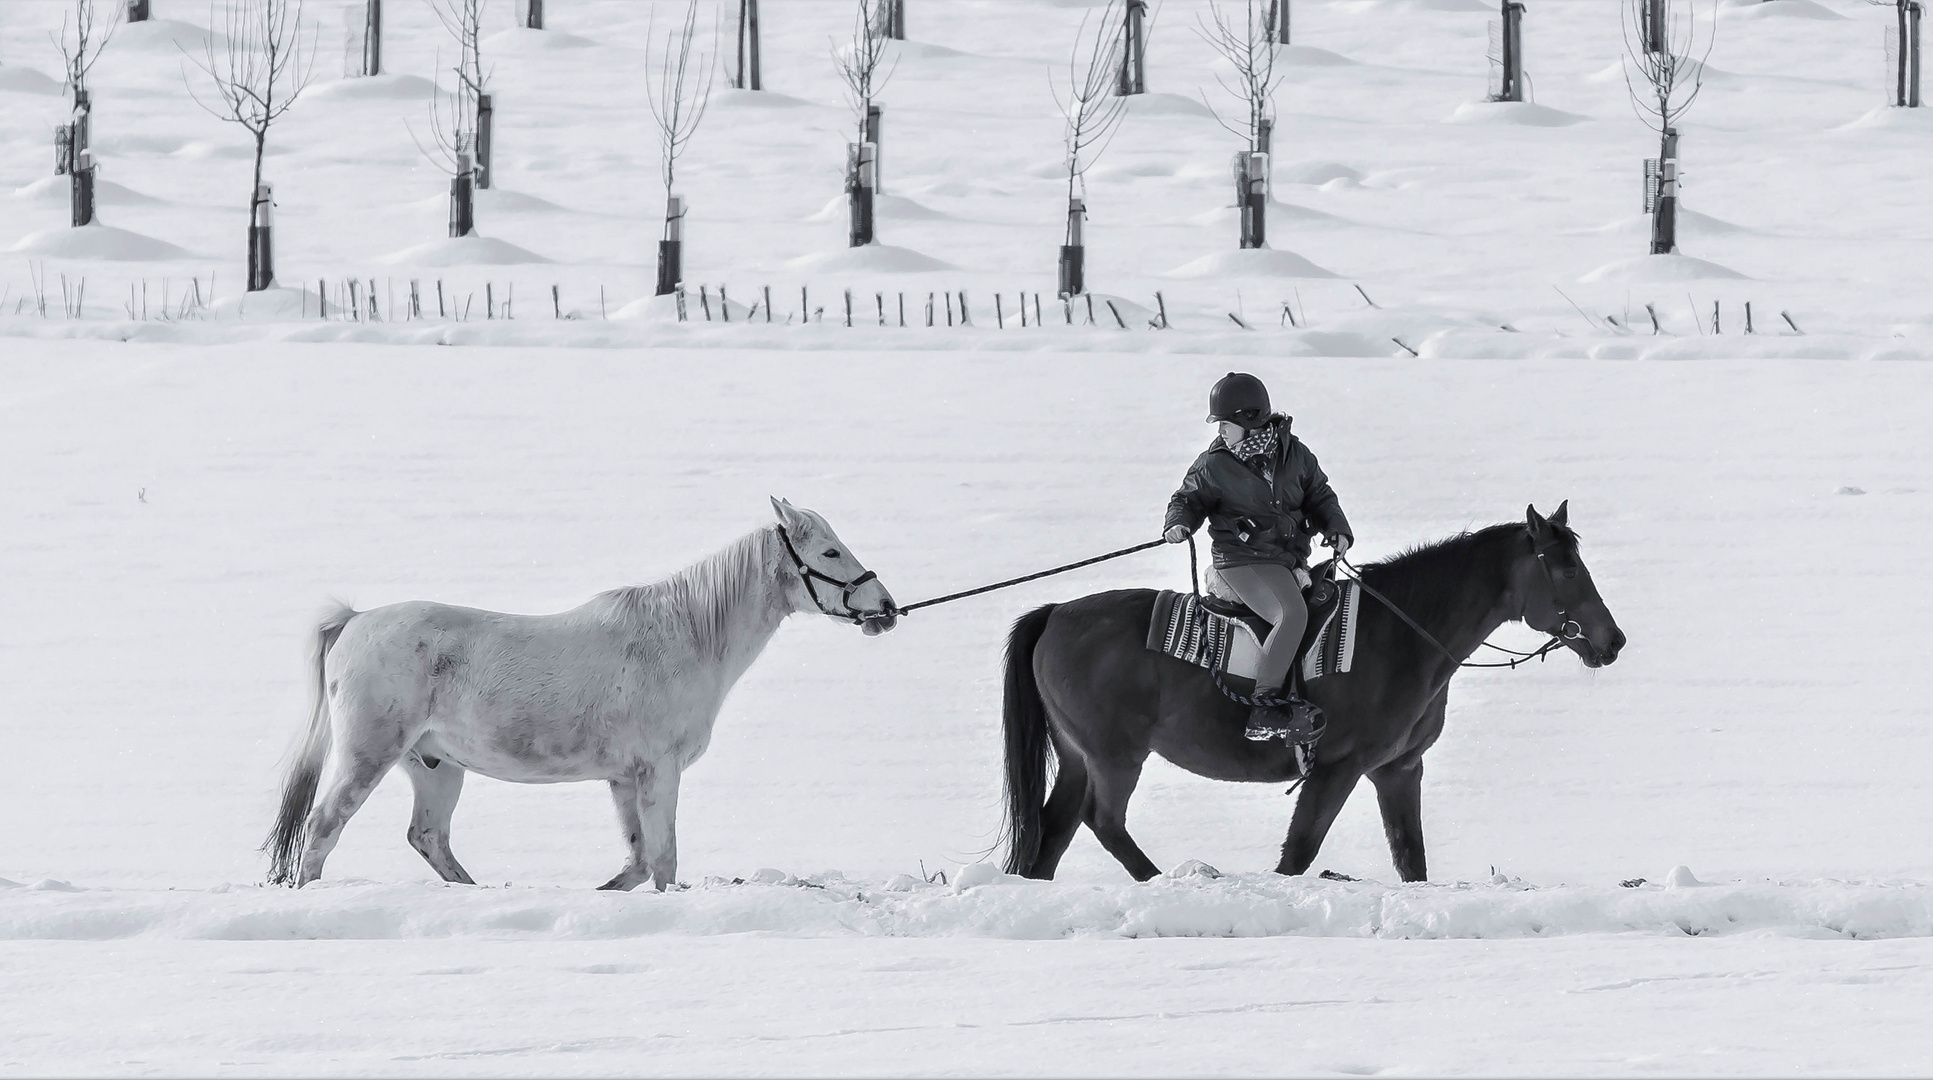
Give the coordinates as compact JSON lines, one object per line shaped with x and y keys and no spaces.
{"x":463,"y":219}
{"x":1134,"y":27}
{"x":486,"y":122}
{"x":747,"y":76}
{"x":1664,"y":221}
{"x":1073,"y":253}
{"x":1275,"y":21}
{"x":860,"y":178}
{"x":671,"y":253}
{"x":261,"y":239}
{"x":874,"y":126}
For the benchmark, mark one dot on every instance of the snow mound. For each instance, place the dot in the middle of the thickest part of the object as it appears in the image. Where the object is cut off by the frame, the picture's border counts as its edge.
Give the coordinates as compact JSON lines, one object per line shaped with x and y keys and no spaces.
{"x":167,"y":36}
{"x":1521,"y":113}
{"x":57,"y":189}
{"x":278,"y":304}
{"x":522,"y":39}
{"x":1689,"y":222}
{"x":1780,"y":9}
{"x":665,"y":308}
{"x":1132,"y":170}
{"x":896,"y":207}
{"x":1310,"y":56}
{"x":491,"y":201}
{"x":1168,"y":105}
{"x":1892,"y":118}
{"x":98,"y":242}
{"x":980,"y":903}
{"x":27,"y":81}
{"x":1278,"y":211}
{"x":376,"y":87}
{"x":1314,"y":172}
{"x":1660,"y":268}
{"x":730,"y":98}
{"x":873,"y":258}
{"x":1418,"y":5}
{"x":472,"y":250}
{"x":1253,"y":262}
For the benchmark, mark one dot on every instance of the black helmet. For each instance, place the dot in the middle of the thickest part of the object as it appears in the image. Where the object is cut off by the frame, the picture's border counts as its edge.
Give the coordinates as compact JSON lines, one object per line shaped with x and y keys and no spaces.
{"x":1239,"y":398}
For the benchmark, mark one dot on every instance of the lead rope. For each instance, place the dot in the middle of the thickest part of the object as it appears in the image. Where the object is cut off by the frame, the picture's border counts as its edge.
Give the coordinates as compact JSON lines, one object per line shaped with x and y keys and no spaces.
{"x":908,"y":609}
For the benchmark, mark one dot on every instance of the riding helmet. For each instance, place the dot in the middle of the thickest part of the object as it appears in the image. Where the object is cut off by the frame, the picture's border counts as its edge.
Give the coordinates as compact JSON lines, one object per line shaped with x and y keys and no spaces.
{"x":1239,"y":398}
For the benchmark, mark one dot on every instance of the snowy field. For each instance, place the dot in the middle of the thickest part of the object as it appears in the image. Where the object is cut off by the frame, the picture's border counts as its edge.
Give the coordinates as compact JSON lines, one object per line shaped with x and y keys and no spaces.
{"x":177,"y":515}
{"x":179,"y":498}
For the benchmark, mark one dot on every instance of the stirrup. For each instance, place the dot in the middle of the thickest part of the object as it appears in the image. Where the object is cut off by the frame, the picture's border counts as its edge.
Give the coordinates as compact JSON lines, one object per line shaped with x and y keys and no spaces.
{"x":1291,"y":719}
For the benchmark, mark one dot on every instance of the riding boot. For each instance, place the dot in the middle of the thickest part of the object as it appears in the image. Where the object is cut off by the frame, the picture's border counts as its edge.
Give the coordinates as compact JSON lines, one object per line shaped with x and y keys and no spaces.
{"x":1284,"y":717}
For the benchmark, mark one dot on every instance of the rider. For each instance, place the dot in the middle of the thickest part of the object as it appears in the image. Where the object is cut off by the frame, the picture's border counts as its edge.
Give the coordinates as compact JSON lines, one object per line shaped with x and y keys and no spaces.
{"x":1264,"y":496}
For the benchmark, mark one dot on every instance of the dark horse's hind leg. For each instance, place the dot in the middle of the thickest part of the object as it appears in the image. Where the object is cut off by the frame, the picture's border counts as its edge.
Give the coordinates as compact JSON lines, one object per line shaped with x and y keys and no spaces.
{"x":1328,"y":787}
{"x":1061,"y":818}
{"x":1110,"y":786}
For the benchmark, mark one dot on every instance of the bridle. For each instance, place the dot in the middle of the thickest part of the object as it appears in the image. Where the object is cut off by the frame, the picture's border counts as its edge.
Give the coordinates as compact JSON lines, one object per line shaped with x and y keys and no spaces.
{"x":810,"y":574}
{"x":1568,"y":629}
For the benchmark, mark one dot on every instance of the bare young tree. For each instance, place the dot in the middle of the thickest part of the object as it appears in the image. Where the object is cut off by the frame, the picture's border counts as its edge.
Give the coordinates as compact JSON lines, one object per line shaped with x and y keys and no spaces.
{"x":1247,"y":44}
{"x":1244,"y":42}
{"x":258,"y":71}
{"x":83,"y":34}
{"x":1092,"y":112}
{"x":862,"y":64}
{"x":1664,"y":69}
{"x":459,"y":129}
{"x":677,"y":92}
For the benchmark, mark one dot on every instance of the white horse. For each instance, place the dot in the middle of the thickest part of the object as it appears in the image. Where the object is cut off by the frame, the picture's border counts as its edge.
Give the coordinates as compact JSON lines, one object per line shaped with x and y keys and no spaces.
{"x":624,"y":689}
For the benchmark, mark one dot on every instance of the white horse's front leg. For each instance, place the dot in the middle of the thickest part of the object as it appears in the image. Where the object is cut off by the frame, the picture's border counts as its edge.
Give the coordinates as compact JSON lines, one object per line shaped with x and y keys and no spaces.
{"x":658,"y":810}
{"x":624,"y":795}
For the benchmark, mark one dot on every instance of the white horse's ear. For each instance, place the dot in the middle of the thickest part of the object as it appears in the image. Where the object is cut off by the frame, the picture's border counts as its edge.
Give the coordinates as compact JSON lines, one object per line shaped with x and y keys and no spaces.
{"x":787,"y":514}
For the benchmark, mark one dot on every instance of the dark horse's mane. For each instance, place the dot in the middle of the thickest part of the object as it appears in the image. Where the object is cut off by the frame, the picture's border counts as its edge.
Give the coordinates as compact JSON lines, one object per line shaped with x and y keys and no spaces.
{"x":1437,"y":579}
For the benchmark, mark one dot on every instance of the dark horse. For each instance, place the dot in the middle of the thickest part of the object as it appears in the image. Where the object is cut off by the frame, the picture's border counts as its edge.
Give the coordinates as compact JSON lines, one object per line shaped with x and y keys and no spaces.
{"x":1081,"y":682}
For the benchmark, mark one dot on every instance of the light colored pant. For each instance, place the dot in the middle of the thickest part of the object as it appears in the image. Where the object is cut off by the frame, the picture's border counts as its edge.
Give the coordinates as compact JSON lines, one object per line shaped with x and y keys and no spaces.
{"x":1273,"y":593}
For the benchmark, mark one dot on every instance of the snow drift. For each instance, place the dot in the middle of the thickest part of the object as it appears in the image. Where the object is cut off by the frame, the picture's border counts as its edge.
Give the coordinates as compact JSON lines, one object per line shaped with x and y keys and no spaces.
{"x":98,"y":241}
{"x":469,"y":250}
{"x":980,"y":902}
{"x":1250,"y":262}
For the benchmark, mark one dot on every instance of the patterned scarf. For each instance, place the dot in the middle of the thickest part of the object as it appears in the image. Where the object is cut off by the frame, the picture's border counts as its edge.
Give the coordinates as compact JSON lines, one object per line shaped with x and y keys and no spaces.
{"x":1258,"y":443}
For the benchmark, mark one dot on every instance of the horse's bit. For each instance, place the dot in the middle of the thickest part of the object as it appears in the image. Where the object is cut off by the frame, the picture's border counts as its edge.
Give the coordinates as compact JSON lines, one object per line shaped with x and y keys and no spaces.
{"x":1569,"y":629}
{"x":809,"y":574}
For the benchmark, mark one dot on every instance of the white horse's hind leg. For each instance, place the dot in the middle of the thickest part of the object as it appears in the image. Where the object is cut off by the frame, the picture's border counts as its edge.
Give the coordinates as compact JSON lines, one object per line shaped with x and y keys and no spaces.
{"x":437,"y":790}
{"x":647,"y":808}
{"x":353,"y":782}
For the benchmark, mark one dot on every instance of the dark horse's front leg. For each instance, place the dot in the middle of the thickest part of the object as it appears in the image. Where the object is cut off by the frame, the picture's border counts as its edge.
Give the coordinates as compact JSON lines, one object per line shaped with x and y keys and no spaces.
{"x":1327,"y":788}
{"x":1399,"y":793}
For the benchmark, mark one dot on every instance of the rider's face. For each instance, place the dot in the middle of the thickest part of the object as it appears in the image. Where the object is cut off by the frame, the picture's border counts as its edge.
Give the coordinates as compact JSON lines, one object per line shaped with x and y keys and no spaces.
{"x":1232,"y":432}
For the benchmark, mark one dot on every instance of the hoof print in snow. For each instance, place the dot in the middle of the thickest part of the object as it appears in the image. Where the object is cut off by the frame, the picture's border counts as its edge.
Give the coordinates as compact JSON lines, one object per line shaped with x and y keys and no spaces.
{"x":765,"y":875}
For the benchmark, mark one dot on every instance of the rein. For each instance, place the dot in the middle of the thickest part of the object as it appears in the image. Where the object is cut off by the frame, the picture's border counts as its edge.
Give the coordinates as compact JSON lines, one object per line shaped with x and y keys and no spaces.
{"x":908,"y":609}
{"x":1556,"y":640}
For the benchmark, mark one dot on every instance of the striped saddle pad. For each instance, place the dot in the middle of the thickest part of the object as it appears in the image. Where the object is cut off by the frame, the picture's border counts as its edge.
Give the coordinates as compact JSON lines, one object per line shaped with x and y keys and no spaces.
{"x":1185,"y":629}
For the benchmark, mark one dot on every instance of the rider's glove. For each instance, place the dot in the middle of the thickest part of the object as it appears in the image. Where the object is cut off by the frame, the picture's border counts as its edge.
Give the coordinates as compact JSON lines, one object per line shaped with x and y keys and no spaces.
{"x":1176,"y":534}
{"x":1341,"y":544}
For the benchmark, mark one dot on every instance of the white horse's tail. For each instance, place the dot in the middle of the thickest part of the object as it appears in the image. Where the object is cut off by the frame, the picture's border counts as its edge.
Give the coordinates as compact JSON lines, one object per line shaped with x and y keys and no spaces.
{"x":285,"y":841}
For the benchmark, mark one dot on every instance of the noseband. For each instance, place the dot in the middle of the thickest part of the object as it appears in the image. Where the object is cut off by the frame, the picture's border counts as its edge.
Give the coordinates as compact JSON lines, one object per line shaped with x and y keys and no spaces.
{"x":810,"y":574}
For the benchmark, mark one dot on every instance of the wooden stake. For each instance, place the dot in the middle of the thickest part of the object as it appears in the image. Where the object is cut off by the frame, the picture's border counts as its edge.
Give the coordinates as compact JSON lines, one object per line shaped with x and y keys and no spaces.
{"x":999,"y":313}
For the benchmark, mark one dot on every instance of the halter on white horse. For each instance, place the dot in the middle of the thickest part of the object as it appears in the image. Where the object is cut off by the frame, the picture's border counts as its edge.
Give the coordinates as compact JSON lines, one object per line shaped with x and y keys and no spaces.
{"x":623,"y":689}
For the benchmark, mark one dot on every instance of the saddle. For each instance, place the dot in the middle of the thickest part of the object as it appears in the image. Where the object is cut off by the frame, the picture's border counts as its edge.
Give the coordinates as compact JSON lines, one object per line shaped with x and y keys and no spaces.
{"x":1225,"y":636}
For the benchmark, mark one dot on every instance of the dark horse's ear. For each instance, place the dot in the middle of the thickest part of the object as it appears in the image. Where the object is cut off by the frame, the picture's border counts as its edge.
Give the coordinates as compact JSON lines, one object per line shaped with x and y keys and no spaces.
{"x":1562,"y":517}
{"x":1535,"y":520}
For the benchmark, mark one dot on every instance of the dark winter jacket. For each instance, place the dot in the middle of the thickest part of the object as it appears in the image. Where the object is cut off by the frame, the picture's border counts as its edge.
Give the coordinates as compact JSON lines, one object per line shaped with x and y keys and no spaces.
{"x":1250,"y":520}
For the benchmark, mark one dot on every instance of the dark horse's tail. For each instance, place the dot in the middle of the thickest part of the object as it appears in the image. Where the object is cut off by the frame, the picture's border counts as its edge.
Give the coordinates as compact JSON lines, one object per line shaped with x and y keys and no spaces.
{"x":285,"y":841}
{"x":1028,"y":745}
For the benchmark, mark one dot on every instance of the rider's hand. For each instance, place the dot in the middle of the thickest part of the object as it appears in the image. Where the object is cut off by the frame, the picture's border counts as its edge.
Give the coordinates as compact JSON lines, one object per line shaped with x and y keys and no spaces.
{"x":1176,"y":534}
{"x":1341,"y":544}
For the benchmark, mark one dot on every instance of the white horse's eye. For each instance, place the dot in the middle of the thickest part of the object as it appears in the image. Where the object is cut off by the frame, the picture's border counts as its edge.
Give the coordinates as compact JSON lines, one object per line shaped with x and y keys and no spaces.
{"x":831,"y":553}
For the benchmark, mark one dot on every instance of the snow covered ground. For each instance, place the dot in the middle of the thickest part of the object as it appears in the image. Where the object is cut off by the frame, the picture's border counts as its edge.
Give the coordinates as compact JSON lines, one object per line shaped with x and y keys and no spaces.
{"x":177,"y":510}
{"x":178,"y":513}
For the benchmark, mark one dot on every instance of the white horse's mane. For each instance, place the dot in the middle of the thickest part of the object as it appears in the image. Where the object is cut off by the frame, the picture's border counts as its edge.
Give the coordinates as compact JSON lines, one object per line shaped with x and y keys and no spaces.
{"x":705,"y":594}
